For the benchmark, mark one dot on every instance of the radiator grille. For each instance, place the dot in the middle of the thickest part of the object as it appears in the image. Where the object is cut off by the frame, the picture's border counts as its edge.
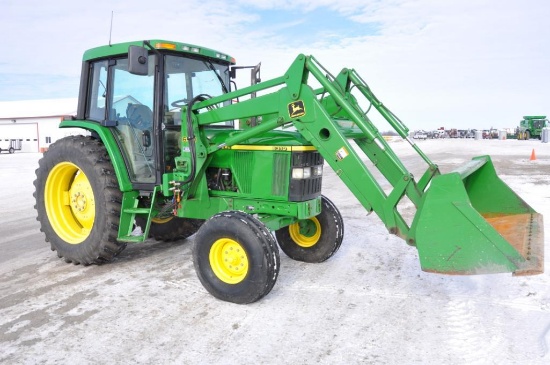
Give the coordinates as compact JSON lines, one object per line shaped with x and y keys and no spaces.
{"x":244,"y":161}
{"x":280,"y":174}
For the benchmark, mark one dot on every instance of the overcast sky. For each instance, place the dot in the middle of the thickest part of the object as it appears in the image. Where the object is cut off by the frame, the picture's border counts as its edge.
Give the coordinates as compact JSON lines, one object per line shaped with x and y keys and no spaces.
{"x":451,"y":63}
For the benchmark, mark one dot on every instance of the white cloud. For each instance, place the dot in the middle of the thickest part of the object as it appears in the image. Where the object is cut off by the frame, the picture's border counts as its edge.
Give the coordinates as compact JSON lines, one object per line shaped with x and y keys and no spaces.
{"x":432,"y":62}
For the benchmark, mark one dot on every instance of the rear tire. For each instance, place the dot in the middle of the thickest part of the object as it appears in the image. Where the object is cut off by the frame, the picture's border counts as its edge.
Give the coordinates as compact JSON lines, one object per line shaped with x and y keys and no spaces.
{"x":78,"y":201}
{"x":236,"y":257}
{"x":316,"y":239}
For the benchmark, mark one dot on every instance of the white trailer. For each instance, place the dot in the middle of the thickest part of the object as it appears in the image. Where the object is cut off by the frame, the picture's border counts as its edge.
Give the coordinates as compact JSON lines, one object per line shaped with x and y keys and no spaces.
{"x":10,"y":145}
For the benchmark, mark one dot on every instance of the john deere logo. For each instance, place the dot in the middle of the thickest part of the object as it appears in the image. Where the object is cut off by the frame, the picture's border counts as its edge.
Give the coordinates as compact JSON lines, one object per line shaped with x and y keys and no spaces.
{"x":296,"y":109}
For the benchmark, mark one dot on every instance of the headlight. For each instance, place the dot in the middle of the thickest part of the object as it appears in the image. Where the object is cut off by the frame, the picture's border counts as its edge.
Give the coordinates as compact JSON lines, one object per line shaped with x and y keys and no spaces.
{"x":301,"y":172}
{"x":317,"y":170}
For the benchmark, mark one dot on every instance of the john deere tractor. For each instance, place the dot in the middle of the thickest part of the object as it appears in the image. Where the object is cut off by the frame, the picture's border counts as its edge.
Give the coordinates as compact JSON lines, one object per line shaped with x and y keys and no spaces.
{"x":162,"y":158}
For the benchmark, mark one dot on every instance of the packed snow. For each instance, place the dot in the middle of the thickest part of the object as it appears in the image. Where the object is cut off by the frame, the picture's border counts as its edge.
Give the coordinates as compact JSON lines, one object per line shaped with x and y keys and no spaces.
{"x":369,"y":304}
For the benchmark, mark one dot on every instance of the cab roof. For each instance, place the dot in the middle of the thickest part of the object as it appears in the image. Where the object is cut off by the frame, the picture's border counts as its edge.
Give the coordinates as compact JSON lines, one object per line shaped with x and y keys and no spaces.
{"x":122,"y":48}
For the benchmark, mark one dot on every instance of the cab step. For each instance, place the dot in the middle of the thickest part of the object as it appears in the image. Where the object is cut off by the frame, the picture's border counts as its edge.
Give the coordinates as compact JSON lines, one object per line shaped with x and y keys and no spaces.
{"x":126,"y":230}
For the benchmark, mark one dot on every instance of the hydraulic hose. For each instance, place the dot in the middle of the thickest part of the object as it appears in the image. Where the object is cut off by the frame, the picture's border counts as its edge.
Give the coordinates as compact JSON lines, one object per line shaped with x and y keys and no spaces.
{"x":191,"y":136}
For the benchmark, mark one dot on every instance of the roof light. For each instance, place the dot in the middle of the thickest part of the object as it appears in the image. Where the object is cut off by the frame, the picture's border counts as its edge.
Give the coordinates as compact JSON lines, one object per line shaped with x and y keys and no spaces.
{"x":165,"y":46}
{"x":195,"y":49}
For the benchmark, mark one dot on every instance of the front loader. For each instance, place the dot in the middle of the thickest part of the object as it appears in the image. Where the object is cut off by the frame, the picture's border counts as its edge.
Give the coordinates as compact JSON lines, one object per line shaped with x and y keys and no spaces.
{"x":164,"y":160}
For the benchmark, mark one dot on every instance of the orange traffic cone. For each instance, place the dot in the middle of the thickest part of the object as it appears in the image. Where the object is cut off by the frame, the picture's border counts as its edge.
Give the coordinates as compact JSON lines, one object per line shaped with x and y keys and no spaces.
{"x":533,"y":157}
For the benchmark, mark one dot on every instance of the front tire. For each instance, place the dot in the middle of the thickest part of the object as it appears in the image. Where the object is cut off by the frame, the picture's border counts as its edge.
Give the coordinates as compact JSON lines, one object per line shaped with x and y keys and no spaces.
{"x":78,"y":201}
{"x":236,"y":257}
{"x":316,"y":239}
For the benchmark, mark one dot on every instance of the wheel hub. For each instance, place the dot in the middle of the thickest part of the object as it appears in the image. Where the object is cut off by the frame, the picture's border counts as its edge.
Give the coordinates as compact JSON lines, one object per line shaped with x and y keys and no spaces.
{"x":305,"y":233}
{"x":79,"y":201}
{"x":82,"y":200}
{"x":229,"y":261}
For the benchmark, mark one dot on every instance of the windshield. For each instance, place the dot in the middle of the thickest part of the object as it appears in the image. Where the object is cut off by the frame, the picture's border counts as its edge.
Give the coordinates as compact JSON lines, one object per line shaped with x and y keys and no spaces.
{"x":187,"y":78}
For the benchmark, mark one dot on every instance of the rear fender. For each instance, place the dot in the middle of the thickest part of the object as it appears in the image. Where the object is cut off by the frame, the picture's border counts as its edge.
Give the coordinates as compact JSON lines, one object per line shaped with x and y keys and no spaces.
{"x":106,"y":137}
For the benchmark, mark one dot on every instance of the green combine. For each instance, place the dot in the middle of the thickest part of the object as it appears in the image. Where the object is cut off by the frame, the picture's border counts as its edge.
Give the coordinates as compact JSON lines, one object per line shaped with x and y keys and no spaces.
{"x":531,"y":127}
{"x":163,"y":159}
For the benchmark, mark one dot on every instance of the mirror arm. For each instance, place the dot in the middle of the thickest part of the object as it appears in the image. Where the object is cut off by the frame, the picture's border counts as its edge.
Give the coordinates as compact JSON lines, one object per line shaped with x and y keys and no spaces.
{"x":148,"y":44}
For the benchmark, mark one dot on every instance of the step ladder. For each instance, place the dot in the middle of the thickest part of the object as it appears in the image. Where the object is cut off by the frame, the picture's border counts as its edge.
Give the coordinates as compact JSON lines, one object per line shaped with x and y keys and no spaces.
{"x":129,"y":211}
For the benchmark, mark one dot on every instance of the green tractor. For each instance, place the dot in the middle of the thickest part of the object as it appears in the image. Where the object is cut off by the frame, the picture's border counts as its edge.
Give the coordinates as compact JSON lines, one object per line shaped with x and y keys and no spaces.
{"x":162,"y":158}
{"x":531,"y":127}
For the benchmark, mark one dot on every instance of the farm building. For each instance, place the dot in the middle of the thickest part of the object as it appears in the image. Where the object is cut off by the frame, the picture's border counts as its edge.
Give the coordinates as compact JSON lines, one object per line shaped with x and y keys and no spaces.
{"x":32,"y":125}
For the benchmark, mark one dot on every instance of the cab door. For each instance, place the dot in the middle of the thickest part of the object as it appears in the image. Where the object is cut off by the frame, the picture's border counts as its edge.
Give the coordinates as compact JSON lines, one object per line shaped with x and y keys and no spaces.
{"x":126,"y":103}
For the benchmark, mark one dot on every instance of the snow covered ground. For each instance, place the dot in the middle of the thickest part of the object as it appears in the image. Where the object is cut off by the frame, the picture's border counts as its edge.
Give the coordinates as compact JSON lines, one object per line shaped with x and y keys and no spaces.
{"x":369,"y":304}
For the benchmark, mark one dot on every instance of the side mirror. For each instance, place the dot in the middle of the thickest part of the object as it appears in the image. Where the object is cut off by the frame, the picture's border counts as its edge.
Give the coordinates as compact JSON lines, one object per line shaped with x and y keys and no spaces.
{"x":255,"y":74}
{"x":138,"y":61}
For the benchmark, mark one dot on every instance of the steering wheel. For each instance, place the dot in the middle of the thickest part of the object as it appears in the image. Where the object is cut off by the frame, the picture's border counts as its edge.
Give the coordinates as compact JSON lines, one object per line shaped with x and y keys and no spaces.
{"x":179,"y":103}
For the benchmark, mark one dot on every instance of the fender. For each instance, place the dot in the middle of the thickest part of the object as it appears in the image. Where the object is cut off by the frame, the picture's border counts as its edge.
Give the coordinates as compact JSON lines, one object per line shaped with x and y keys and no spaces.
{"x":106,"y":136}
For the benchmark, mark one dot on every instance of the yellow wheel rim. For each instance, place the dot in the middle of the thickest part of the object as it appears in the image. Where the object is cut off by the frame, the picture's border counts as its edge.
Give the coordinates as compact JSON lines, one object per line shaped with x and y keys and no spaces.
{"x":228,"y":260}
{"x":305,"y":233}
{"x":69,"y":202}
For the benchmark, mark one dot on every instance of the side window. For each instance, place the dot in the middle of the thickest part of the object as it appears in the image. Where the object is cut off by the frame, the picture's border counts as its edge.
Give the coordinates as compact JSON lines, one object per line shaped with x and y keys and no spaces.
{"x":132,"y":107}
{"x":95,"y":109}
{"x":129,"y":89}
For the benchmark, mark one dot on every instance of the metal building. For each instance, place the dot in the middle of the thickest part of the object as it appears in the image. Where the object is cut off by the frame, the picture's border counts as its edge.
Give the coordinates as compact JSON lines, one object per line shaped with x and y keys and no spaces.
{"x":32,"y":125}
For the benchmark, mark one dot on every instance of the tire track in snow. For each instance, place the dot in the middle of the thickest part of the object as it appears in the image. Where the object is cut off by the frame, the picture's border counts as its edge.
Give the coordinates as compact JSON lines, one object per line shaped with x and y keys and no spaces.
{"x":484,"y":332}
{"x":545,"y":340}
{"x":465,"y":336}
{"x":474,"y":328}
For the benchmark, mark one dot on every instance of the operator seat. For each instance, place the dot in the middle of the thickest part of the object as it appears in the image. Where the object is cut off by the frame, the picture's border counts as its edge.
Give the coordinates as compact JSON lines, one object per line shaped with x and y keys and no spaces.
{"x":140,"y":116}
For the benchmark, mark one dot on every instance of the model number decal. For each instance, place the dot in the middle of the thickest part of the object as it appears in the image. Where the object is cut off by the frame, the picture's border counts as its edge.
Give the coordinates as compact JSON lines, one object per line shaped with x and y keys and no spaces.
{"x":281,"y":148}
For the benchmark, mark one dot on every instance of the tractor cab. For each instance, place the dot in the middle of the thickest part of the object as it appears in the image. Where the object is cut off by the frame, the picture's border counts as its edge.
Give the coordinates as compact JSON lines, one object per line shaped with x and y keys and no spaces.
{"x":140,"y":95}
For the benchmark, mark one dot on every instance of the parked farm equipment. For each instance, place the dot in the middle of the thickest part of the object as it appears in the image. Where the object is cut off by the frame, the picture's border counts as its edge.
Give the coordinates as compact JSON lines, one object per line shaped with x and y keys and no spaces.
{"x":531,"y":127}
{"x":10,"y":145}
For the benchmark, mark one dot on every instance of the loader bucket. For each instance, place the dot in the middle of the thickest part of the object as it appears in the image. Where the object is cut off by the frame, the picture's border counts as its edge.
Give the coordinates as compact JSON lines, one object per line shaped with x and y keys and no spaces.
{"x":471,"y":222}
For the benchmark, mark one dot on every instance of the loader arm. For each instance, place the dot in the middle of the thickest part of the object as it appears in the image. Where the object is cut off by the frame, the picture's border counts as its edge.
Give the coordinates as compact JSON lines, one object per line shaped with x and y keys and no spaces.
{"x":454,"y":227}
{"x":330,"y":136}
